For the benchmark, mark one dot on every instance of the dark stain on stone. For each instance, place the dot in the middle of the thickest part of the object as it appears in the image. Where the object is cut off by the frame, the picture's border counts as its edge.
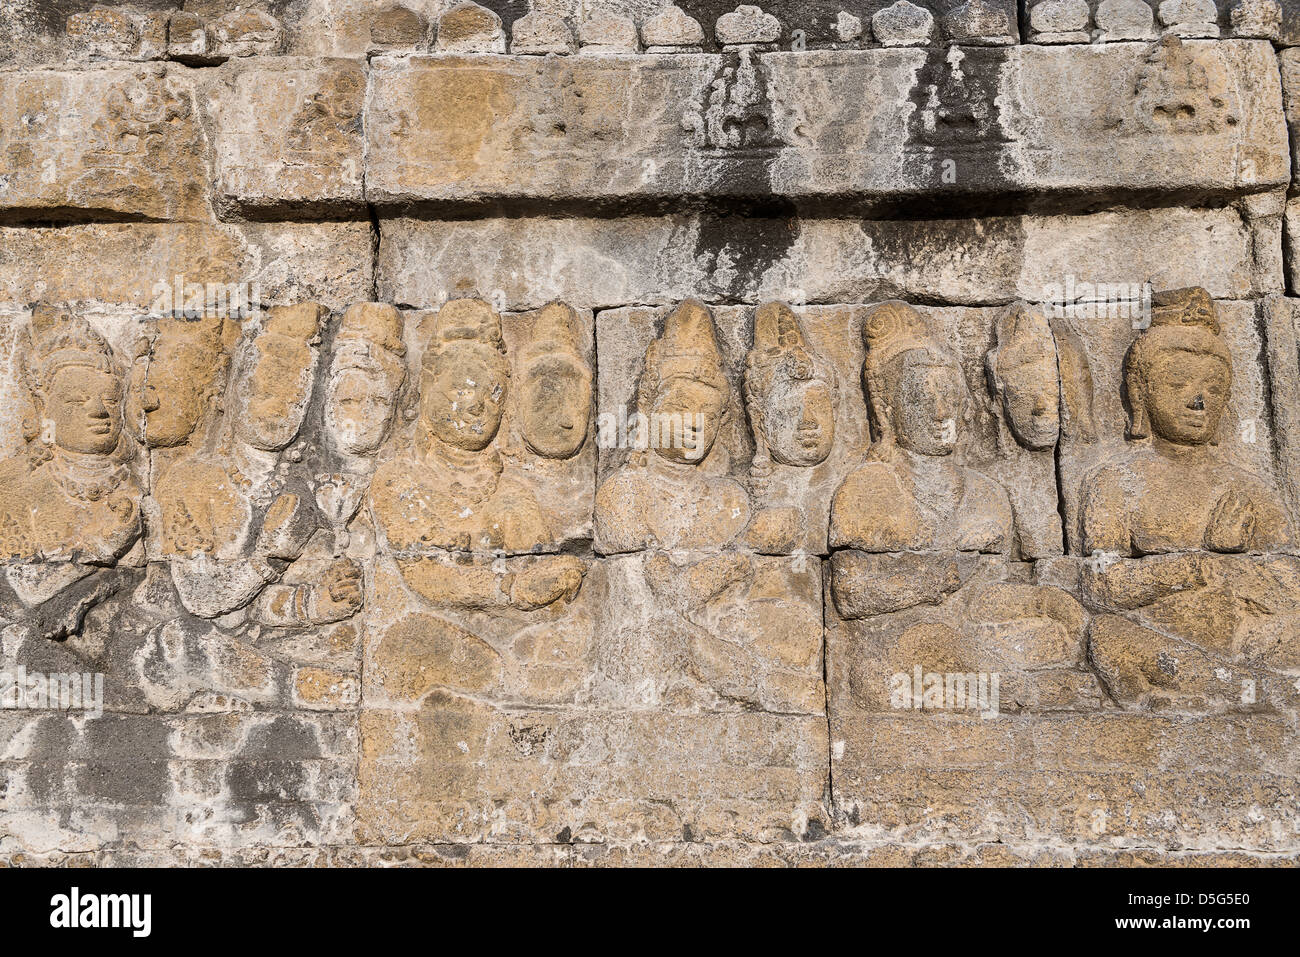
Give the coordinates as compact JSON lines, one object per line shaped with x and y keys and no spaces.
{"x":51,"y":746}
{"x":996,"y":244}
{"x":262,"y":782}
{"x":955,"y":140}
{"x":816,"y":18}
{"x":131,"y":783}
{"x":744,"y":247}
{"x":282,"y":739}
{"x":508,"y":10}
{"x":816,"y":830}
{"x":129,"y":761}
{"x":565,"y":836}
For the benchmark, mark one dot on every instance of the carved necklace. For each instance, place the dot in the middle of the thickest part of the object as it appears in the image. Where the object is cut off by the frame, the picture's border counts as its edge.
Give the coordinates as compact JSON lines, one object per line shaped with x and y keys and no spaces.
{"x":88,"y":478}
{"x":469,"y":476}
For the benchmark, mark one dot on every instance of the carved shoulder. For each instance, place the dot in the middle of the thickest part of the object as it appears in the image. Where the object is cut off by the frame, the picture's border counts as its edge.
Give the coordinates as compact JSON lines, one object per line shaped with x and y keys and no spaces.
{"x":870,"y":511}
{"x":620,"y":525}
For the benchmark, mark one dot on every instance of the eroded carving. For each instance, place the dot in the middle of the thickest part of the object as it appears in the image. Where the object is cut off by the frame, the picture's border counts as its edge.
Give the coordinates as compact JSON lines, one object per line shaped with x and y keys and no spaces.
{"x":1185,"y":627}
{"x":913,"y":494}
{"x":791,"y":393}
{"x":555,"y":400}
{"x":1023,"y":376}
{"x":675,"y":494}
{"x":235,"y":516}
{"x":69,"y":505}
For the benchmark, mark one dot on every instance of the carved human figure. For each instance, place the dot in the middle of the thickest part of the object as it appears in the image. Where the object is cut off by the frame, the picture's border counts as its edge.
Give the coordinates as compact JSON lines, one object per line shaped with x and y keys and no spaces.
{"x":1174,"y":499}
{"x":675,"y":494}
{"x":235,"y":517}
{"x":790,"y":391}
{"x":448,"y":493}
{"x":555,"y":394}
{"x":725,"y":625}
{"x":1023,"y":377}
{"x":912,"y":494}
{"x":69,"y":504}
{"x":1173,"y":492}
{"x":173,"y":378}
{"x":365,"y":379}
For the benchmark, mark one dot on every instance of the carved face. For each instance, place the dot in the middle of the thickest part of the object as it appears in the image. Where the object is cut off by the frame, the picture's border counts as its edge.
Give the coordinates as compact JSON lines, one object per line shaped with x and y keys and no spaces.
{"x":1031,"y":397}
{"x":358,"y":407}
{"x":276,"y":395}
{"x":555,"y":403}
{"x":84,"y":406}
{"x":927,"y":404}
{"x":799,"y":421}
{"x":688,"y":414}
{"x":164,"y":398}
{"x":461,"y":398}
{"x":1186,"y":394}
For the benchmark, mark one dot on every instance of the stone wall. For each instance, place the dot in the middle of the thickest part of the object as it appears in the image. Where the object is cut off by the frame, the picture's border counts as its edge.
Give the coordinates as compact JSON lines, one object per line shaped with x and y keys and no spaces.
{"x":589,"y":432}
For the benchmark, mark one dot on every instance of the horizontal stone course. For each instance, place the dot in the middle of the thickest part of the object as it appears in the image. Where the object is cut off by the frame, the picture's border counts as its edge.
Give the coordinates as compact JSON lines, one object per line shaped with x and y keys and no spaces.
{"x":599,"y":262}
{"x":856,"y":126}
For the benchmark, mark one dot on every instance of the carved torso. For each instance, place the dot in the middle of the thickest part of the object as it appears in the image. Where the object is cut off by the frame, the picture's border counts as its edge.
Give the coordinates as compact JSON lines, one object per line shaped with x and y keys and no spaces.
{"x":432,"y":504}
{"x":677,"y":508}
{"x":881,"y":508}
{"x":59,"y":512}
{"x":1155,"y":503}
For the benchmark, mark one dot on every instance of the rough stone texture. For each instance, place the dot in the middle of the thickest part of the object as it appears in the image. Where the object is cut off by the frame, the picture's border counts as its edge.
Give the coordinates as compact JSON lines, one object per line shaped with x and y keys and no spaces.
{"x":1194,"y":118}
{"x":113,"y":140}
{"x":838,"y":435}
{"x":312,"y":158}
{"x":542,"y":33}
{"x":1290,"y":65}
{"x":121,"y":264}
{"x":601,"y":263}
{"x":672,"y":29}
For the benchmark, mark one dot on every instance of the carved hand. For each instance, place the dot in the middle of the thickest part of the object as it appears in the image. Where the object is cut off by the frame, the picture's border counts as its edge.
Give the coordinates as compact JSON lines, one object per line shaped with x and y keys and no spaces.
{"x":339,"y":595}
{"x":1232,"y":524}
{"x":285,"y":530}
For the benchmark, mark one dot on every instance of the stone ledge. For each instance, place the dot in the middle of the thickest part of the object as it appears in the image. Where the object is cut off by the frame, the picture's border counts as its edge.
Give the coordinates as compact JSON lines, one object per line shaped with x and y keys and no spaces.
{"x":855,"y":127}
{"x":597,"y":262}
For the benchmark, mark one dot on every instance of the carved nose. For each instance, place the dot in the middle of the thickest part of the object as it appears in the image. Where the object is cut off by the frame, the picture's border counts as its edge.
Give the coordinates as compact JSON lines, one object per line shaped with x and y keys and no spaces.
{"x":1198,"y":404}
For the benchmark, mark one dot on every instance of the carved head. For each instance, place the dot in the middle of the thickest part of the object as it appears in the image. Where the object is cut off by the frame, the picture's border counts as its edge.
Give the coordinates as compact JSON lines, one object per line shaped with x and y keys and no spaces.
{"x":791,"y":393}
{"x":555,"y":397}
{"x":1022,"y":373}
{"x":915,"y":389}
{"x":465,"y":375}
{"x":277,"y":388}
{"x":683,"y":390}
{"x":365,"y":377}
{"x":1178,"y":373}
{"x":76,"y":384}
{"x":172,"y":379}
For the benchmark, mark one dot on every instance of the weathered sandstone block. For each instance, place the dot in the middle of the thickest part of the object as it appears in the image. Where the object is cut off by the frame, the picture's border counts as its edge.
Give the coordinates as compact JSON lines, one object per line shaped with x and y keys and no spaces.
{"x":1194,"y":119}
{"x":140,"y":264}
{"x":310,"y":158}
{"x":597,"y":262}
{"x":113,"y":140}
